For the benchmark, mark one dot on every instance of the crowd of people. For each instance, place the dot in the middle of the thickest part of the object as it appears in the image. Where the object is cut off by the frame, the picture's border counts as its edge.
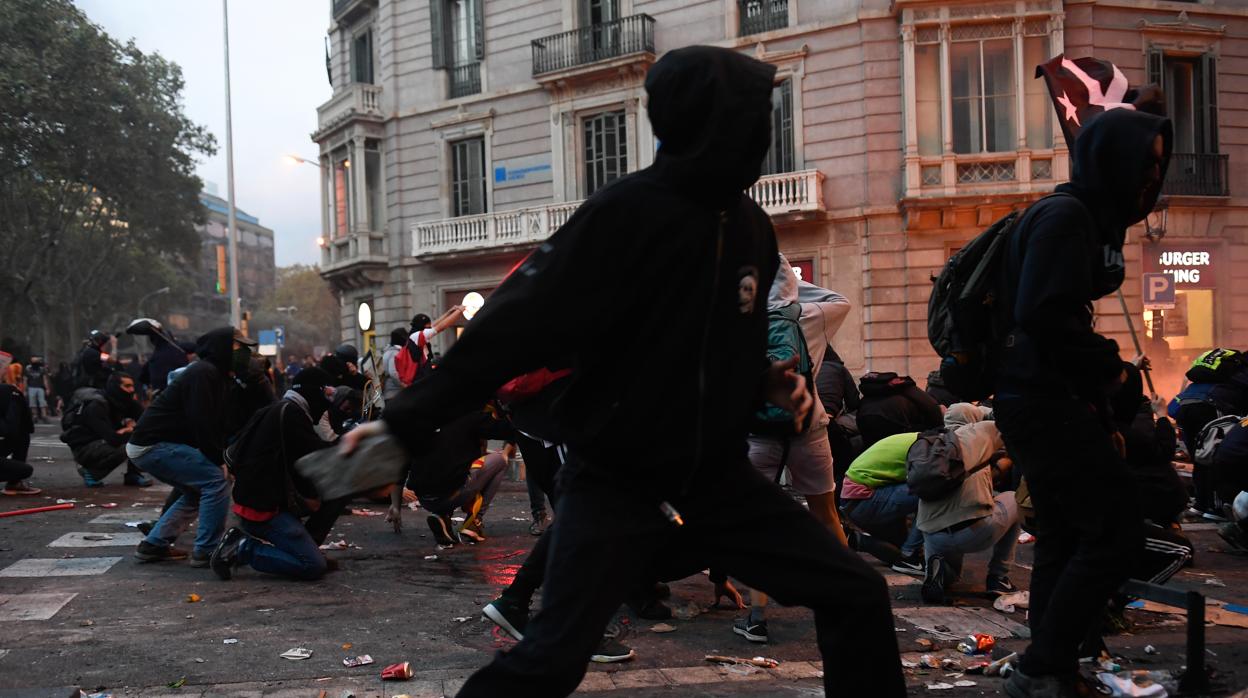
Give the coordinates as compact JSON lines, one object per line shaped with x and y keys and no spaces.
{"x":697,"y":417}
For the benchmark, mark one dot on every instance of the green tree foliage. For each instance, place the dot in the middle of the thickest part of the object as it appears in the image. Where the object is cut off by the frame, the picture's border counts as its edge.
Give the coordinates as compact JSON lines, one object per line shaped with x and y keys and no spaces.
{"x":98,"y":195}
{"x":311,"y":315}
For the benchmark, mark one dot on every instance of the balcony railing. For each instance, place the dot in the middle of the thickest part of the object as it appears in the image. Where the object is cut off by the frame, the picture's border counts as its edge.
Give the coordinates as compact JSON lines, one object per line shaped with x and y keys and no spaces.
{"x":345,"y":10}
{"x":778,"y":194}
{"x":758,"y":16}
{"x":355,"y":99}
{"x":465,"y":79}
{"x":1198,"y":174}
{"x":353,"y":248}
{"x":598,"y":42}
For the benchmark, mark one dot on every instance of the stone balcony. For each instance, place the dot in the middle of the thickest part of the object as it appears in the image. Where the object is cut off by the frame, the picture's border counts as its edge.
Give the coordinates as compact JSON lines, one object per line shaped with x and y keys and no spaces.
{"x":355,"y":101}
{"x":591,"y":51}
{"x":779,"y":195}
{"x":355,"y":259}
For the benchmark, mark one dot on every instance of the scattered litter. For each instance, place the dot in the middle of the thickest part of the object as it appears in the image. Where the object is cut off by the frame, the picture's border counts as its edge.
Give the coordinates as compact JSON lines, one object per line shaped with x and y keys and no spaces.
{"x":367,"y":512}
{"x":1136,"y":684}
{"x":687,"y":610}
{"x":194,"y":598}
{"x":431,"y":557}
{"x":87,"y":623}
{"x":190,"y":616}
{"x":340,"y":544}
{"x":88,"y":506}
{"x":760,"y":662}
{"x":662,"y":628}
{"x":907,"y":664}
{"x":460,"y":619}
{"x":351,"y":694}
{"x":200,"y":660}
{"x":924,"y":643}
{"x":230,"y":641}
{"x":296,"y":653}
{"x":979,"y":643}
{"x":347,"y":645}
{"x":1024,"y":538}
{"x":397,"y":672}
{"x":742,"y":669}
{"x":265,"y":610}
{"x":1215,"y":612}
{"x":977,"y":667}
{"x":97,"y":695}
{"x":67,"y":501}
{"x":361,"y":660}
{"x":939,"y":686}
{"x":1008,"y":603}
{"x":518,"y":518}
{"x":1149,"y":649}
{"x":414,"y":506}
{"x":109,"y":505}
{"x":1215,"y":582}
{"x":1106,"y":663}
{"x":177,"y":684}
{"x":133,"y":524}
{"x":929,"y":661}
{"x":964,"y":683}
{"x":136,"y":505}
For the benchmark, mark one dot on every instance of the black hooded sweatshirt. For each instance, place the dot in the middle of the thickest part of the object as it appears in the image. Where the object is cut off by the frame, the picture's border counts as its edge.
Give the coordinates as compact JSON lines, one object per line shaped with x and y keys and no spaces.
{"x":675,"y":255}
{"x":192,"y":410}
{"x":1067,"y":252}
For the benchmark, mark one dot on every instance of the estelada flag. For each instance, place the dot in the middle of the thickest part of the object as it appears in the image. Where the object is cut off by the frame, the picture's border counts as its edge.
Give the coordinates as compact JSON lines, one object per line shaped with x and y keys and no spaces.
{"x":1081,"y":89}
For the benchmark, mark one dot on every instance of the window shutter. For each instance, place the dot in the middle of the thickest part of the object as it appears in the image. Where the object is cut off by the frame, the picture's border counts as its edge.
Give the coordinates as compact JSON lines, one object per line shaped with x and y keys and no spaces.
{"x":478,"y":28}
{"x":1155,"y":60}
{"x":1209,"y":76}
{"x":437,"y":32}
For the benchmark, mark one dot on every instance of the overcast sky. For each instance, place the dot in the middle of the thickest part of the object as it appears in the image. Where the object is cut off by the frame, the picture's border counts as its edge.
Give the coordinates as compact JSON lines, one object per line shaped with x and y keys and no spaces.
{"x":277,"y":71}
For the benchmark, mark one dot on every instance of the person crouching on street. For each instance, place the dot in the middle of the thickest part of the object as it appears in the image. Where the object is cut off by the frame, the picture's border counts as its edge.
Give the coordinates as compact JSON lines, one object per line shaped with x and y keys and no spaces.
{"x":97,"y":428}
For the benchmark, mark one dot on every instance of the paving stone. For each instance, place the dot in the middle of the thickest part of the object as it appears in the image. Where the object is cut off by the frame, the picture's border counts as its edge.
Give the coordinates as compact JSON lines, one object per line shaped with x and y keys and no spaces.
{"x":31,"y":606}
{"x":81,"y":539}
{"x":684,"y":676}
{"x":597,"y":681}
{"x":59,"y":567}
{"x":638,"y":678}
{"x":797,"y":670}
{"x":963,"y":621}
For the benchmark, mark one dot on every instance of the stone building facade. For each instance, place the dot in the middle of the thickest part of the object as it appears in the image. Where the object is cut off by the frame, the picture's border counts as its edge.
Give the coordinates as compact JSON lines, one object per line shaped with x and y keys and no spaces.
{"x":462,"y":132}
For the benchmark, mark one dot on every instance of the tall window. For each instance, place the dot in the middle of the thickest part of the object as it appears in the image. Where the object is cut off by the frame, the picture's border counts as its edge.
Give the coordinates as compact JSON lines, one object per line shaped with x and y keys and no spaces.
{"x":601,"y":16}
{"x":468,"y":177}
{"x":457,"y":39}
{"x":373,"y":183}
{"x":342,"y":196}
{"x":1191,"y":87}
{"x":758,"y":16}
{"x":981,"y":78}
{"x":780,"y":157}
{"x":606,"y":150}
{"x":362,"y":57}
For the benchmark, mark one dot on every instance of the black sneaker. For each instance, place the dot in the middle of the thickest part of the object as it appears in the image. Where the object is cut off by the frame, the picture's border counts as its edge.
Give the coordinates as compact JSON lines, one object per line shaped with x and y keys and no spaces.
{"x":146,"y":552}
{"x":933,"y":590}
{"x":912,"y":565}
{"x":610,"y":651}
{"x":443,"y":532}
{"x":145,"y":527}
{"x":1234,"y":535}
{"x":650,"y":609}
{"x":136,"y":479}
{"x":225,"y":558}
{"x":1000,"y":586}
{"x":200,"y":559}
{"x":540,"y":521}
{"x":752,"y":631}
{"x":511,"y":617}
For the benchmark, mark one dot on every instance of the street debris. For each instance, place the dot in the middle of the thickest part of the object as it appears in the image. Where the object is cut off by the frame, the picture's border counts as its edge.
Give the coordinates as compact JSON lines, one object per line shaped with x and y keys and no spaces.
{"x":340,"y":544}
{"x":177,"y":684}
{"x":1024,"y":538}
{"x":397,"y":672}
{"x":194,"y":598}
{"x":367,"y":512}
{"x":296,"y":653}
{"x":109,"y":505}
{"x":347,"y":645}
{"x":230,"y":641}
{"x":461,"y":619}
{"x":200,"y":660}
{"x":1216,"y":612}
{"x":67,"y":501}
{"x":1008,"y":603}
{"x":939,"y":686}
{"x":964,"y":683}
{"x":1136,"y":684}
{"x":662,"y":628}
{"x":761,"y":662}
{"x":979,"y":643}
{"x":1214,"y":582}
{"x":1003,"y":666}
{"x":431,"y":557}
{"x":87,"y":623}
{"x":1149,"y":649}
{"x":907,"y":664}
{"x":361,"y":660}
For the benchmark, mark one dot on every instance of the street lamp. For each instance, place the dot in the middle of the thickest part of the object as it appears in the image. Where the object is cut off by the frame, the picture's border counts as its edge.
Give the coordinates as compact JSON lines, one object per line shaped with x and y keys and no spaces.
{"x":307,"y":161}
{"x":157,"y":292}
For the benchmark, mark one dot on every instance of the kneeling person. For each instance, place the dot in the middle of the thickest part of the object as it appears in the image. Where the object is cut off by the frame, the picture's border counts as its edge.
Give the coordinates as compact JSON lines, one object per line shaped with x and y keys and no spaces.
{"x":268,"y":494}
{"x":97,"y":428}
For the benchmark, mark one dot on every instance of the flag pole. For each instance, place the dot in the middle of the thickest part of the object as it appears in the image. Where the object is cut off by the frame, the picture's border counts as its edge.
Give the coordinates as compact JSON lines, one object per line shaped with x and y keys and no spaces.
{"x":1135,"y":339}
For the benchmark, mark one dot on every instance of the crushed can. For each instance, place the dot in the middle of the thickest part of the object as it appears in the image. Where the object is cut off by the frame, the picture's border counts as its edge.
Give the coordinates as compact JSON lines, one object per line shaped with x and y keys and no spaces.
{"x":357,"y":661}
{"x":397,"y":672}
{"x":978,"y":643}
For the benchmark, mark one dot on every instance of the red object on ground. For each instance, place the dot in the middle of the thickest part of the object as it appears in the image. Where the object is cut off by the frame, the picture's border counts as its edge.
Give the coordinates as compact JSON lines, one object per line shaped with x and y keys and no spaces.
{"x":36,"y":510}
{"x":397,"y":672}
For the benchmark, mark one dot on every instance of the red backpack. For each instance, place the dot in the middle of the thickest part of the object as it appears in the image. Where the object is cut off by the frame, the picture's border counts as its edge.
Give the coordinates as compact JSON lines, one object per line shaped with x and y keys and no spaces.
{"x":412,"y":362}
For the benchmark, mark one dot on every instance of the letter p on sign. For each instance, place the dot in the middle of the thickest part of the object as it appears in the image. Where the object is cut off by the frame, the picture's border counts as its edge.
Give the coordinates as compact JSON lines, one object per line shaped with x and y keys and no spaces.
{"x":1158,"y":291}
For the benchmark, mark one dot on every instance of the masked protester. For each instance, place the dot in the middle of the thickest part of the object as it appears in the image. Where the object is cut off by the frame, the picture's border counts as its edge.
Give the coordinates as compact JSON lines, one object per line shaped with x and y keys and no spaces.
{"x":97,"y":429}
{"x":1055,"y":375}
{"x":270,"y":497}
{"x":15,"y":430}
{"x":37,"y":381}
{"x":93,"y":364}
{"x":180,"y":439}
{"x":681,"y":230}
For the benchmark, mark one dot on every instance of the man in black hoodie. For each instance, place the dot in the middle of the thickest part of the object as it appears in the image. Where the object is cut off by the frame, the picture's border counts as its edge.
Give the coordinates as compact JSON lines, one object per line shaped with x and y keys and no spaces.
{"x":684,"y":255}
{"x":179,"y":440}
{"x":893,"y":404}
{"x":97,"y":428}
{"x":1054,"y":377}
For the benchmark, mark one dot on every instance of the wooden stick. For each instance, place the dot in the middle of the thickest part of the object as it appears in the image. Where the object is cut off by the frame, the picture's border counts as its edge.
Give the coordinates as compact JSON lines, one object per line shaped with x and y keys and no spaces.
{"x":36,"y":510}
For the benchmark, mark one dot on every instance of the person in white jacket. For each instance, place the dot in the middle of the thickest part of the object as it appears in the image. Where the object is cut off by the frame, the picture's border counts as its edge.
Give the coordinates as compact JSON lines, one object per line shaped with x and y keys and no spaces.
{"x":807,"y":455}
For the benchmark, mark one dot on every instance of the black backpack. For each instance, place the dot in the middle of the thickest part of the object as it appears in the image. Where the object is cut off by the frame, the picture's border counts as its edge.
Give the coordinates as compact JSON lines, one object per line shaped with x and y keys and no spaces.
{"x":1216,"y":366}
{"x":934,"y":465}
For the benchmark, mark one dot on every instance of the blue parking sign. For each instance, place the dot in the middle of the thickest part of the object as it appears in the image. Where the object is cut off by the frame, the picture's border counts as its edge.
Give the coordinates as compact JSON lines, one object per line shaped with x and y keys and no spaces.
{"x":1158,"y":291}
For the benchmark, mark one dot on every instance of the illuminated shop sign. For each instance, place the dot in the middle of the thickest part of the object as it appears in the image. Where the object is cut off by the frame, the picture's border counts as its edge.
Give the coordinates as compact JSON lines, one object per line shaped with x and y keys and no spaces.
{"x":1191,"y":266}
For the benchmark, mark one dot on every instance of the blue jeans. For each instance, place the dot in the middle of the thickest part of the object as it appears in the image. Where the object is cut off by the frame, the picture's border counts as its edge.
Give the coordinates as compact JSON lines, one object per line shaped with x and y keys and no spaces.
{"x":998,"y":531}
{"x":884,"y":515}
{"x":203,"y":489}
{"x":284,"y":547}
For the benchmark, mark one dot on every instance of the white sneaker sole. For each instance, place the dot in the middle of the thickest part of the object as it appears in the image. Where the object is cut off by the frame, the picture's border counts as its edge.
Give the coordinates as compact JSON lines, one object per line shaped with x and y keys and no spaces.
{"x":612,"y":658}
{"x":496,"y":617}
{"x":760,"y":639}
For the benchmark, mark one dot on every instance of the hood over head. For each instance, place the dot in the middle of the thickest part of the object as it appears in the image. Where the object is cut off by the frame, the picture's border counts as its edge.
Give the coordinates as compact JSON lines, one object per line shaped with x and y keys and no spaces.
{"x":311,"y":383}
{"x":961,"y":414}
{"x":217,"y":347}
{"x":784,"y":289}
{"x":711,"y":111}
{"x":348,"y":353}
{"x":1129,"y":398}
{"x":126,"y":404}
{"x":1111,"y":156}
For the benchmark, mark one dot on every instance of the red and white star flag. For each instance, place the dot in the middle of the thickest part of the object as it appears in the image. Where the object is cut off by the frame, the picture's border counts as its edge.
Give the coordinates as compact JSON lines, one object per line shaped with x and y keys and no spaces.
{"x":1082,"y":88}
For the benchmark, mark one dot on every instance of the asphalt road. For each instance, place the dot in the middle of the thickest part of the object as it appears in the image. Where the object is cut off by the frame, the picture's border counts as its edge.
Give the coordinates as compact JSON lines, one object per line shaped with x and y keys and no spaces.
{"x":124,"y":628}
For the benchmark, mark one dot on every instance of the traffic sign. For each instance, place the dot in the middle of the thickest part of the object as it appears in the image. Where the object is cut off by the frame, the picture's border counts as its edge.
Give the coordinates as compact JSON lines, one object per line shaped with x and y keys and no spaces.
{"x":1159,"y":291}
{"x":268,"y":343}
{"x":280,"y":331}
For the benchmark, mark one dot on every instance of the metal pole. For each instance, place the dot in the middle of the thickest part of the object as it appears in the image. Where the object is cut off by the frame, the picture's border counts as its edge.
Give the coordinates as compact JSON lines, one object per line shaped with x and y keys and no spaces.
{"x":1135,"y":339}
{"x":235,"y":309}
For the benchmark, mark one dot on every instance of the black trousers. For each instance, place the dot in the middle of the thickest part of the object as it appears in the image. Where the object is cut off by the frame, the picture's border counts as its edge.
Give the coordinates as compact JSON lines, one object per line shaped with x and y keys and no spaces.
{"x":321,"y":522}
{"x":99,"y":458}
{"x":541,"y":464}
{"x":13,"y":465}
{"x":607,"y":541}
{"x":1089,"y":532}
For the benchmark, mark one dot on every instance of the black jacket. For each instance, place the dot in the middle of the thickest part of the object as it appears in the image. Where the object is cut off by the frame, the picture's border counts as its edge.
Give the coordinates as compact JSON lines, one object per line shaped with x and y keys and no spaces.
{"x":676,"y":256}
{"x":836,"y":387}
{"x":893,"y":404}
{"x":165,"y":358}
{"x":193,"y":410}
{"x":1067,"y":252}
{"x":93,"y":373}
{"x":444,"y":467}
{"x":262,"y":476}
{"x":93,"y":418}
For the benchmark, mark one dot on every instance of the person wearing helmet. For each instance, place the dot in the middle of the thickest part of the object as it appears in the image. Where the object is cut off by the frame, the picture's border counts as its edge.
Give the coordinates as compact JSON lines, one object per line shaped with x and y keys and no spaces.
{"x":93,"y":364}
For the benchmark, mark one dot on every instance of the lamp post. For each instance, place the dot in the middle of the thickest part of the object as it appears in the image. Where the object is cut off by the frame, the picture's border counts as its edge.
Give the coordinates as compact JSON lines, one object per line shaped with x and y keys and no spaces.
{"x":157,"y":292}
{"x":235,"y":302}
{"x":306,"y":161}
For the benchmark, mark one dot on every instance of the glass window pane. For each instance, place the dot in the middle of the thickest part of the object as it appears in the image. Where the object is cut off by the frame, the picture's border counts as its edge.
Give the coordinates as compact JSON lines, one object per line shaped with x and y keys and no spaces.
{"x":1039,"y":114}
{"x":372,"y":188}
{"x":780,"y":155}
{"x":606,"y":152}
{"x":999,"y":96}
{"x":964,"y":80}
{"x":468,"y":177}
{"x":927,"y":98}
